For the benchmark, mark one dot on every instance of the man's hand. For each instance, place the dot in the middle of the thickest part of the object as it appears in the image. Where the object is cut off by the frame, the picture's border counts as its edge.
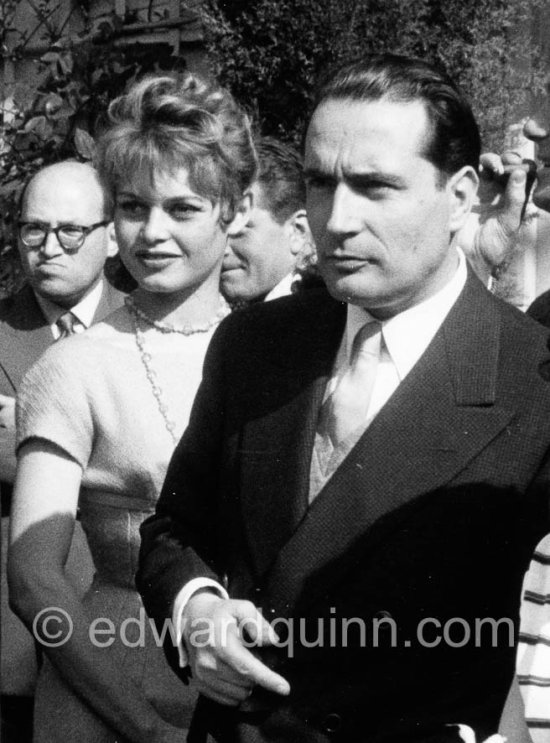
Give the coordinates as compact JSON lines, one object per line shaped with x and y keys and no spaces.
{"x":541,"y":136}
{"x":7,"y":412}
{"x":503,"y":202}
{"x":215,"y":632}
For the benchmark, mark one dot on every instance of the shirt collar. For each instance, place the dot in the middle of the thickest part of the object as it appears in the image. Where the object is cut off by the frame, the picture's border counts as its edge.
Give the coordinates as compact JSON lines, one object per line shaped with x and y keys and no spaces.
{"x":408,"y":334}
{"x":282,"y":289}
{"x":84,"y":311}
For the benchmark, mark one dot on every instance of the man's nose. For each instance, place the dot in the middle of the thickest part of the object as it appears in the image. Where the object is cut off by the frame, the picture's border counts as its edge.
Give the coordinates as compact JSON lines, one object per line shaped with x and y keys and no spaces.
{"x":155,"y":228}
{"x":51,"y":246}
{"x":345,"y":214}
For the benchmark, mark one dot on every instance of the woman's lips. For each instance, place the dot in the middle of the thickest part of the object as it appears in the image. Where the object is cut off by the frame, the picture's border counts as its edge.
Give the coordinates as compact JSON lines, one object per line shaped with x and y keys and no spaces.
{"x":156,"y":259}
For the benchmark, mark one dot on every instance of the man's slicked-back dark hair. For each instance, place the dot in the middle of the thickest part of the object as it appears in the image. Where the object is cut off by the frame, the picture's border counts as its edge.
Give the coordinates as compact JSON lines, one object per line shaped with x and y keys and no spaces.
{"x":281,"y":177}
{"x":453,"y":140}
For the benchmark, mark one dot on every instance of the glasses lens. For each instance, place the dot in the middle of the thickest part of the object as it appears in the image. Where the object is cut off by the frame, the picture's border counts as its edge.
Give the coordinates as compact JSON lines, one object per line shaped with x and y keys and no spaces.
{"x":70,"y":236}
{"x":32,"y":234}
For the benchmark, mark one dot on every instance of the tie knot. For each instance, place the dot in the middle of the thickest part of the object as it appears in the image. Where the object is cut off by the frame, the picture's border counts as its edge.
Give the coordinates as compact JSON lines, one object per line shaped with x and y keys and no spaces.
{"x":367,"y":340}
{"x":66,"y":324}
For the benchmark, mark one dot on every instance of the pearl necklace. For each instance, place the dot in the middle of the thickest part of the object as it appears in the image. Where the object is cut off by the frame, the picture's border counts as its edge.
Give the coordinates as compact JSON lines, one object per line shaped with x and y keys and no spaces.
{"x":146,"y":358}
{"x":165,"y":327}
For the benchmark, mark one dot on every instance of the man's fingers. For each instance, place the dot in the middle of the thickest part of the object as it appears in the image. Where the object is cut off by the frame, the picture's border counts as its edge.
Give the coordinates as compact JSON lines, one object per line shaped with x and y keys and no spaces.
{"x":251,"y":668}
{"x":511,"y":158}
{"x":253,"y":626}
{"x":535,"y":131}
{"x":227,"y":686}
{"x":492,"y":162}
{"x":218,"y":680}
{"x":233,"y":691}
{"x":229,"y":675}
{"x":514,"y":201}
{"x":220,"y":696}
{"x":515,"y":190}
{"x":222,"y":657}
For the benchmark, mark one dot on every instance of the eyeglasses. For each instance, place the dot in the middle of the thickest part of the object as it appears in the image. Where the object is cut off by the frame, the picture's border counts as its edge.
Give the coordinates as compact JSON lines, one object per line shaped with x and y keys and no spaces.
{"x":70,"y":236}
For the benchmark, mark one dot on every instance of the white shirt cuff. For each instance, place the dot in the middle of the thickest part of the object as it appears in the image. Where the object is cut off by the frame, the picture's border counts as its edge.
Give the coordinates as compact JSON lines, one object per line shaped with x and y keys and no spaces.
{"x":197,"y":584}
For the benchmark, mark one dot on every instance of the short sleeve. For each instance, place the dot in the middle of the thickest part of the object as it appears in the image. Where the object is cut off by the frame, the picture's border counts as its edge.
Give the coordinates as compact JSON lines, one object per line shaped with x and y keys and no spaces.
{"x":53,"y":403}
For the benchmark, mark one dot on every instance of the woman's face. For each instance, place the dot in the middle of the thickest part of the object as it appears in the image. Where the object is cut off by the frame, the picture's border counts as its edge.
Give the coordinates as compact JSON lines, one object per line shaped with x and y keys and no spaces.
{"x":170,"y":238}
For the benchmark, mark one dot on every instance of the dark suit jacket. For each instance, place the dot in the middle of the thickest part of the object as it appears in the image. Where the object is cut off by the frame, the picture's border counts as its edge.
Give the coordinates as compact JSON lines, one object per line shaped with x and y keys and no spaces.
{"x":429,"y":522}
{"x":24,"y":335}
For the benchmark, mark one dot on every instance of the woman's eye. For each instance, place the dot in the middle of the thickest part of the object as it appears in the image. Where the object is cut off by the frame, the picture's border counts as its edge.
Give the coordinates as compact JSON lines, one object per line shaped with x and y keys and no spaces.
{"x":183,"y":211}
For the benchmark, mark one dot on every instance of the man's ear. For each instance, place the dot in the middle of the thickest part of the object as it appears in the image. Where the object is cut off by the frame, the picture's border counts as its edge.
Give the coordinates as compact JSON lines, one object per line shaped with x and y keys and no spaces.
{"x":242,"y":214}
{"x":462,"y":189}
{"x":112,"y":246}
{"x":300,"y":234}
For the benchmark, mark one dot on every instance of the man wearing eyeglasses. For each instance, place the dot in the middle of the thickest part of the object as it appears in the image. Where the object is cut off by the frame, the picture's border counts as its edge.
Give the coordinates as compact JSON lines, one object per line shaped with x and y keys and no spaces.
{"x":65,"y":236}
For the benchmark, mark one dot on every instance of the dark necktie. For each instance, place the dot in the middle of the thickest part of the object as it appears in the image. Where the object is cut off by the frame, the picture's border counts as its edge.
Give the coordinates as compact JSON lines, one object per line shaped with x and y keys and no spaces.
{"x":66,"y":324}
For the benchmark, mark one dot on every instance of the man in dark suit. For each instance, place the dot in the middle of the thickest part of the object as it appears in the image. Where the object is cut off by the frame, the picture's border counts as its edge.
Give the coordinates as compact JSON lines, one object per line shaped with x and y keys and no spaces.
{"x":58,"y":280}
{"x":65,"y":238}
{"x":344,"y":527}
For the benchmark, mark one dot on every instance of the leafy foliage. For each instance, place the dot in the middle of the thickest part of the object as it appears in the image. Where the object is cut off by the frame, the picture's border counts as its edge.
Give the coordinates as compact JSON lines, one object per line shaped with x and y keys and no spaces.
{"x":271,"y":51}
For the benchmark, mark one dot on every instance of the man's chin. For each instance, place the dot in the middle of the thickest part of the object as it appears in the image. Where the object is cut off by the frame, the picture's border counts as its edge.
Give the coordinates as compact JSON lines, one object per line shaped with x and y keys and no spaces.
{"x":230,"y":294}
{"x":349,"y":289}
{"x":51,"y":289}
{"x":60,"y":293}
{"x":230,"y":287}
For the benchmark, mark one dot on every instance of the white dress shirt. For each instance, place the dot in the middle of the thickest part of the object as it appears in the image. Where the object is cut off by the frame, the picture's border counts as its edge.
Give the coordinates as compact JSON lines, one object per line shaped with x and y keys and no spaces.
{"x":84,"y":311}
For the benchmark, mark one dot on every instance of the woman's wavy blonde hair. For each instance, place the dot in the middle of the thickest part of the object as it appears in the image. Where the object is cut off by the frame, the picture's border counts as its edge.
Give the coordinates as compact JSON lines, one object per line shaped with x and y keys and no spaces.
{"x":164,"y":123}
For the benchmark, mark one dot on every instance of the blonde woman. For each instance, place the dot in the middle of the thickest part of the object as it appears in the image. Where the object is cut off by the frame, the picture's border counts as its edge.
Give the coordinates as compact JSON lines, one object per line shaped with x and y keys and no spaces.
{"x":100,"y":413}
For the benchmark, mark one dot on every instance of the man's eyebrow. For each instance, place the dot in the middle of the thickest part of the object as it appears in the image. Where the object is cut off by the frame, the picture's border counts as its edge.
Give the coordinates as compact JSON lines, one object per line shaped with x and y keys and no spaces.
{"x":367,"y":178}
{"x":358,"y":178}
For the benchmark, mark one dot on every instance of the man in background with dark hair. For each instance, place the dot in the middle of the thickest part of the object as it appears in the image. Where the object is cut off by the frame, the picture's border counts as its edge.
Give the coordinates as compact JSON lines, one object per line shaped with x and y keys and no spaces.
{"x":344,"y":526}
{"x":260,"y":261}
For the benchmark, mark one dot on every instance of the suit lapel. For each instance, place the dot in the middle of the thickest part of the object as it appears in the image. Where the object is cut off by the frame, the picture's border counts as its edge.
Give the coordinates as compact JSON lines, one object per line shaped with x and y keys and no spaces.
{"x":440,"y":417}
{"x":27,"y":335}
{"x":278,"y":437}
